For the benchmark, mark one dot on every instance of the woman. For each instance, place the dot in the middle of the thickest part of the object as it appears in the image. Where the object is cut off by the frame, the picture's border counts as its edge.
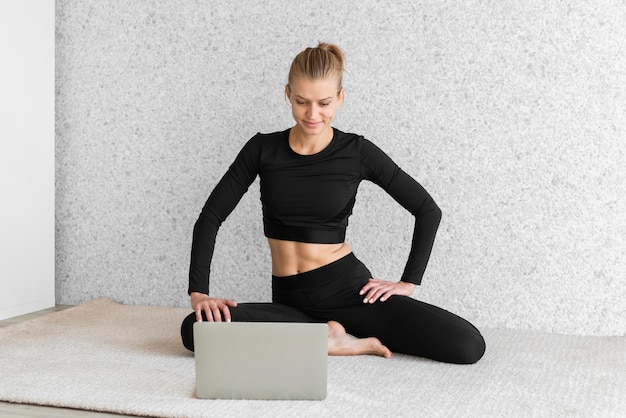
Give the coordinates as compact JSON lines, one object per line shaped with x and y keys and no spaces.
{"x":309,"y":176}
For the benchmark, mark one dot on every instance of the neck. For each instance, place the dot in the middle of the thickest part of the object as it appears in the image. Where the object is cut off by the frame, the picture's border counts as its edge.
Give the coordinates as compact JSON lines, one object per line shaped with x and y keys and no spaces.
{"x":307,"y":144}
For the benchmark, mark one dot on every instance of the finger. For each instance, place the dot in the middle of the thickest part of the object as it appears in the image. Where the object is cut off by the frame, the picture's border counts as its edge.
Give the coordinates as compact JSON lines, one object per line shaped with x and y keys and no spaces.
{"x":364,"y":289}
{"x":386,"y":295}
{"x":372,"y":295}
{"x":217,"y":315}
{"x":226,"y":313}
{"x":367,"y":292}
{"x":199,"y":314}
{"x":208,"y":313}
{"x":370,"y":283}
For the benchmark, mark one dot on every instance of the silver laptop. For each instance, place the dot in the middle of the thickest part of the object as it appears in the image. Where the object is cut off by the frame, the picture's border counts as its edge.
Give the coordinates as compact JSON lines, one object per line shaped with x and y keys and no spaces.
{"x":261,"y":360}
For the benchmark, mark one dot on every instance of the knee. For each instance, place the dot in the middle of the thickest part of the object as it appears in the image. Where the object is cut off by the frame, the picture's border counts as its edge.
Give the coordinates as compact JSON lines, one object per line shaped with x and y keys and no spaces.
{"x":471,"y":349}
{"x":186,"y":331}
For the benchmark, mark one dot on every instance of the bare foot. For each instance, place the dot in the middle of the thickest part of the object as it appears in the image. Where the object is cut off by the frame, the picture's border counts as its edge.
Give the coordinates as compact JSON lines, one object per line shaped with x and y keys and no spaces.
{"x":340,"y":343}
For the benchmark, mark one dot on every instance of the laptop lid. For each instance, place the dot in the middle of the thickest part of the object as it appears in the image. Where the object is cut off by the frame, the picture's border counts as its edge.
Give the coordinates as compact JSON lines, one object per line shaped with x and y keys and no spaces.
{"x":261,"y":360}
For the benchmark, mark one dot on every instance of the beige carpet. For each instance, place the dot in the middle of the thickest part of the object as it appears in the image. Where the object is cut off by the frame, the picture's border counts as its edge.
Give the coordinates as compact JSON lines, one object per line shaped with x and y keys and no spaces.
{"x":104,"y":356}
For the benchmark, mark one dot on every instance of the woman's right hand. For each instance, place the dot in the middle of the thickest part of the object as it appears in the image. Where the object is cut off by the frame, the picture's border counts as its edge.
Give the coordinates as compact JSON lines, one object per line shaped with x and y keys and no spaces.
{"x":215,"y":310}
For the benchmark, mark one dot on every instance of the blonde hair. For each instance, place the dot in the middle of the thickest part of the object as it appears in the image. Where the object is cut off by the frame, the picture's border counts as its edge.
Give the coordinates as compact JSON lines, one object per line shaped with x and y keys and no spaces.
{"x":323,"y":61}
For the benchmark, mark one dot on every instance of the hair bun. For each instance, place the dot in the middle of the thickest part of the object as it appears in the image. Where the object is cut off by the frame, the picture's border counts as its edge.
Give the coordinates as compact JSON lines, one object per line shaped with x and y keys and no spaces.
{"x":325,"y":60}
{"x":335,"y":50}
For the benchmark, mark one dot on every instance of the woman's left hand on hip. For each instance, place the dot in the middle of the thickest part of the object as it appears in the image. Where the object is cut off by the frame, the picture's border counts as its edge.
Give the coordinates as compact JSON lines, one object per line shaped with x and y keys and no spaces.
{"x":376,"y":289}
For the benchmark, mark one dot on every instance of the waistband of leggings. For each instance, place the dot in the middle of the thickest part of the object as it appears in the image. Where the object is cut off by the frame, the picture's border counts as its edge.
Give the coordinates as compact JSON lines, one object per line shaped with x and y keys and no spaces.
{"x":321,"y":274}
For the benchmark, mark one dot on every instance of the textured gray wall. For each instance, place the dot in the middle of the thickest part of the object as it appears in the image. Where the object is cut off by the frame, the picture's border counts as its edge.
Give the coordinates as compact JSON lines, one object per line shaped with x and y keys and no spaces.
{"x":512,"y":114}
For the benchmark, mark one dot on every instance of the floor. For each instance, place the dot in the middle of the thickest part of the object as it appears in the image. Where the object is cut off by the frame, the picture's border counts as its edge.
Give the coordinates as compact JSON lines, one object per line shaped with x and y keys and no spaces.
{"x":8,"y":409}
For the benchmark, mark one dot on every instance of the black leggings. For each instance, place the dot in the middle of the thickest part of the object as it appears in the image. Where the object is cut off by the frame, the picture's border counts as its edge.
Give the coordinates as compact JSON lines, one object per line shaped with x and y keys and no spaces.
{"x":403,"y":324}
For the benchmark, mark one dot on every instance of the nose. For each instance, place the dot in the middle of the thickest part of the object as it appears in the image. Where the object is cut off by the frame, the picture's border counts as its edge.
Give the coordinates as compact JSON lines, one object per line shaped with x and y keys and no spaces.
{"x":312,"y":111}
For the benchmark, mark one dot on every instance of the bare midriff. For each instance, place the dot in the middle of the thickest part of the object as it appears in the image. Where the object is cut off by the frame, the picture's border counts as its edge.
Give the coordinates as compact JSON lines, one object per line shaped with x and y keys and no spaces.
{"x":290,"y":257}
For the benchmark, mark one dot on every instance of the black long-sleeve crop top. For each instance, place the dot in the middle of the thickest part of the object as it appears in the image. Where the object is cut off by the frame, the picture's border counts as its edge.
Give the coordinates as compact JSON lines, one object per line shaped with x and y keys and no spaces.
{"x":308,"y":198}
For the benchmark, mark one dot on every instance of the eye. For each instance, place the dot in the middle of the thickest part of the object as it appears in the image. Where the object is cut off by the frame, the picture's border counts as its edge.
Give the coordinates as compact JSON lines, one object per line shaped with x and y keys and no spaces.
{"x":300,"y":102}
{"x":324,"y":104}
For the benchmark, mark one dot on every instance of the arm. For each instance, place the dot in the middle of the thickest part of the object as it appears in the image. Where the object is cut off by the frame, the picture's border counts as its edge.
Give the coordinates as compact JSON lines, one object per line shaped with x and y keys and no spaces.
{"x":413,"y":197}
{"x":380,"y":169}
{"x":222,"y":201}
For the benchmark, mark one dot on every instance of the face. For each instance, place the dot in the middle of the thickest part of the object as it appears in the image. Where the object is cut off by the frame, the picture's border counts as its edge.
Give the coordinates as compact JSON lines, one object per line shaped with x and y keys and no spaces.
{"x":314,"y":104}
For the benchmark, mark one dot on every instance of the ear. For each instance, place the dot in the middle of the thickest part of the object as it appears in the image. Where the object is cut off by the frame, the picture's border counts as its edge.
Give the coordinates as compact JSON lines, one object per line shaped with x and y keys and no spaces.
{"x":287,"y":92}
{"x":341,"y":95}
